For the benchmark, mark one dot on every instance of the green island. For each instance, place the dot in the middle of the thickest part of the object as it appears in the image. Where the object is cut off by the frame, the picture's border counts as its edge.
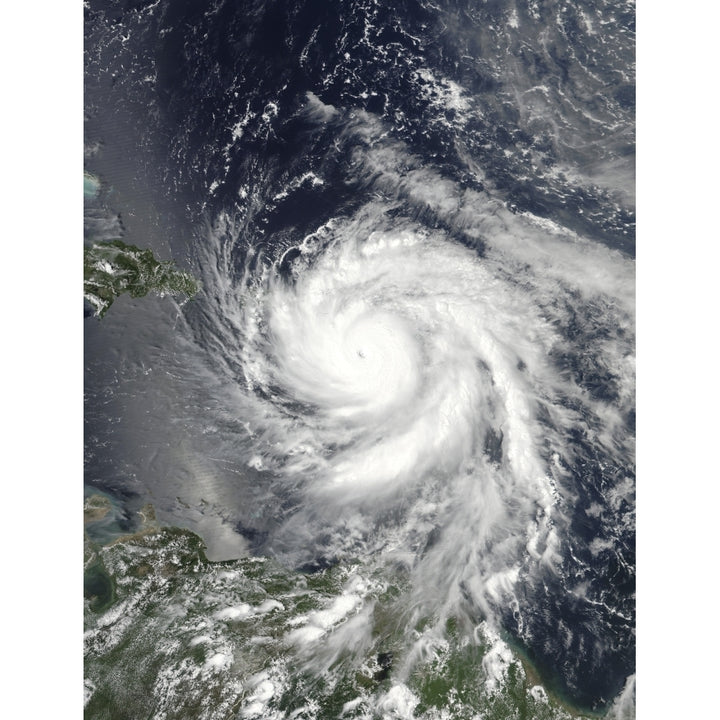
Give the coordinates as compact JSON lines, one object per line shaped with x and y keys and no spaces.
{"x":170,"y":634}
{"x":113,"y":267}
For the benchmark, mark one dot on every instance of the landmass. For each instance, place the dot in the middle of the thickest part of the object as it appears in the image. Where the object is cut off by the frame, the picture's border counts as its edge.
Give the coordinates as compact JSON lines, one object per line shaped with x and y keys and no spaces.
{"x":113,"y":268}
{"x":96,"y":508}
{"x":170,"y":633}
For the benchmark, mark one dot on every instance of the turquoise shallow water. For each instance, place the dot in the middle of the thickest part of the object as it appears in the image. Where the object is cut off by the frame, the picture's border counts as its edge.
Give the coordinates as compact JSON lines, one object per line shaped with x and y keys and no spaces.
{"x":91,"y":186}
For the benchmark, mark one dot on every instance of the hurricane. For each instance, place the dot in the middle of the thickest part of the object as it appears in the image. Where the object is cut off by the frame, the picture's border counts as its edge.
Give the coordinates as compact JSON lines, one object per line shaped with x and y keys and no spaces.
{"x":406,"y":399}
{"x":406,"y":380}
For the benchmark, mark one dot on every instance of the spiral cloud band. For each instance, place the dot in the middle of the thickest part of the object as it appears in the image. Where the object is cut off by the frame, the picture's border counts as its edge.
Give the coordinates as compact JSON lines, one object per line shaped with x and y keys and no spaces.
{"x":407,"y":366}
{"x":426,"y":384}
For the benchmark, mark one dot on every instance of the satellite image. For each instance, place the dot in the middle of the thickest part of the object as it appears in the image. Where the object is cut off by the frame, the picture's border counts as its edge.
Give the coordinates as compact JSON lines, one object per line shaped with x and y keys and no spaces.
{"x":359,"y":359}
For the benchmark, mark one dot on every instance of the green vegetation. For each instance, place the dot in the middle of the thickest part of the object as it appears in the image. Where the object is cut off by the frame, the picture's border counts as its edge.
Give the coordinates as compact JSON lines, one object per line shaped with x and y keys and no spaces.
{"x":171,"y":634}
{"x":113,"y":268}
